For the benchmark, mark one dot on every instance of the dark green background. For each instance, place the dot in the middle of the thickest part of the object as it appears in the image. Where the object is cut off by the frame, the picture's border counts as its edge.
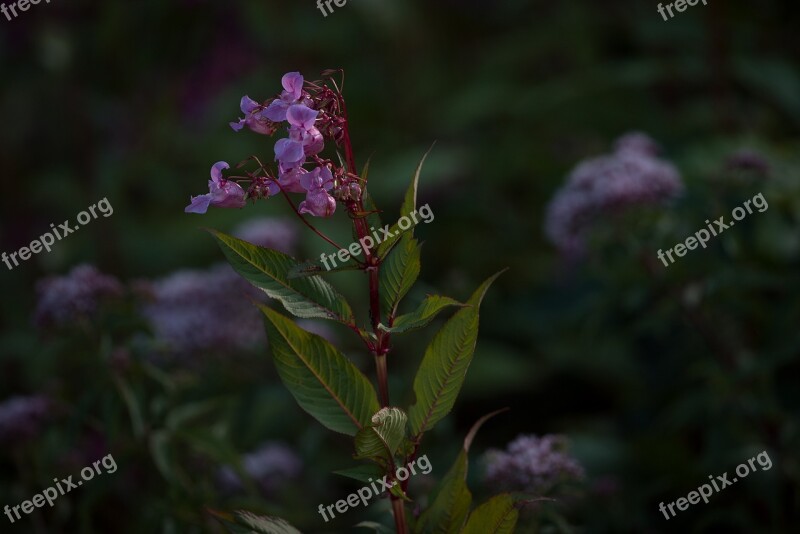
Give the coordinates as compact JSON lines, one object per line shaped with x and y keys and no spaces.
{"x":656,"y":386}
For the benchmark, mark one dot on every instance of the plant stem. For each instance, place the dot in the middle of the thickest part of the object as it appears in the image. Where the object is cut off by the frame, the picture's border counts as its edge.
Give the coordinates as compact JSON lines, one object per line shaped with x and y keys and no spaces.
{"x":399,"y":515}
{"x":383,"y":378}
{"x":297,"y":212}
{"x":380,"y":348}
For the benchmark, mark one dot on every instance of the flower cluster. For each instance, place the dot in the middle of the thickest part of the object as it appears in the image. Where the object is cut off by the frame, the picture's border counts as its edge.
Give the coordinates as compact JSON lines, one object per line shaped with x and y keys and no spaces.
{"x":312,"y":113}
{"x":269,"y":466}
{"x":75,"y":296}
{"x":22,"y":417}
{"x":531,"y":464}
{"x":632,"y":175}
{"x":191,"y":311}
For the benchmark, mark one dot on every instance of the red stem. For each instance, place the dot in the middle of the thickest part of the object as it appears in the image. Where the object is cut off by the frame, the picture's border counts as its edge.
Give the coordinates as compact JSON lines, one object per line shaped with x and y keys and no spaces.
{"x":380,"y":348}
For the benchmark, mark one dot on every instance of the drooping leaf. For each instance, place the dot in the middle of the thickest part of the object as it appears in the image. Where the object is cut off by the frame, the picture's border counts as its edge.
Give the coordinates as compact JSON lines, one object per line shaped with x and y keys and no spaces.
{"x":477,"y":426}
{"x":450,"y":507}
{"x":498,"y":515}
{"x":399,"y":272}
{"x":451,"y":499}
{"x":381,"y":438}
{"x":409,"y":205}
{"x":309,"y":297}
{"x":324,"y":383}
{"x":422,"y":316}
{"x":444,"y":365}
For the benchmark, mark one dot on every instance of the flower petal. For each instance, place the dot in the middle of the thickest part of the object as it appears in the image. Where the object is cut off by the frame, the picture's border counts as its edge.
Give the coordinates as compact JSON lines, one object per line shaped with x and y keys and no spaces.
{"x":199,"y":204}
{"x":301,"y":116}
{"x":248,"y":105}
{"x":288,"y":151}
{"x":293,"y":84}
{"x":216,"y":170}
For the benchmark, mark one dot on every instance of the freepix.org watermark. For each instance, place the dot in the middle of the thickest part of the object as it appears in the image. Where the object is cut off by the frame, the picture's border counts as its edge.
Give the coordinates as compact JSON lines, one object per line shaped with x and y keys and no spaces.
{"x":367,"y":242}
{"x":702,"y":237}
{"x":323,"y":4}
{"x":47,"y":239}
{"x":705,"y":491}
{"x":22,"y":5}
{"x":680,"y":5}
{"x":367,"y":492}
{"x":66,"y":485}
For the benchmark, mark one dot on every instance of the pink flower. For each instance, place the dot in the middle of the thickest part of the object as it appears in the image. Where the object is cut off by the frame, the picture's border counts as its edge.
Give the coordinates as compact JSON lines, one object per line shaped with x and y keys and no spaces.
{"x":292,"y":94}
{"x":318,"y":202}
{"x":222,"y":193}
{"x":253,"y":118}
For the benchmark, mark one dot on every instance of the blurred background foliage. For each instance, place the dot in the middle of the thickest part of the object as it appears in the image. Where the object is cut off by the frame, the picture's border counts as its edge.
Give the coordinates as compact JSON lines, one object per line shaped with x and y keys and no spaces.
{"x":658,"y":376}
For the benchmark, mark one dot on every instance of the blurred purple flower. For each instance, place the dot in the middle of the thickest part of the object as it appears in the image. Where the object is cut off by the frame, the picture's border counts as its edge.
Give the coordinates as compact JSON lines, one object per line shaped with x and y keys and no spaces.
{"x":253,"y":118}
{"x":748,"y":160}
{"x":318,"y":202}
{"x":531,"y":464}
{"x":222,"y":193}
{"x":269,"y":466}
{"x":278,"y":234}
{"x":194,"y":310}
{"x":21,"y":418}
{"x":75,"y":296}
{"x":631,"y":176}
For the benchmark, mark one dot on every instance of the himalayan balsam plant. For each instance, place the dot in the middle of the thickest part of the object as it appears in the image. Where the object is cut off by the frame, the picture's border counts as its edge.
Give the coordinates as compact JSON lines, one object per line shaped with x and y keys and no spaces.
{"x":324,"y":382}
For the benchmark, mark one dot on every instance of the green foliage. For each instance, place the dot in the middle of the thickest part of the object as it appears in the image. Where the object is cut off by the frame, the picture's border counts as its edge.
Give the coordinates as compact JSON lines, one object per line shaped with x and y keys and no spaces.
{"x":408,"y":206}
{"x":380,"y":439}
{"x":399,"y":272}
{"x":309,"y":297}
{"x":498,"y":515}
{"x":362,"y":473}
{"x":445,"y":363}
{"x":422,"y":316}
{"x":450,"y":507}
{"x":324,"y":383}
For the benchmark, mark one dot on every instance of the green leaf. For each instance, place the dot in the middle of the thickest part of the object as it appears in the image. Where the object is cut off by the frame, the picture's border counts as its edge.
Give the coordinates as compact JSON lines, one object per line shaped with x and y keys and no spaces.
{"x":477,"y":426}
{"x":382,"y":437}
{"x":409,"y":205}
{"x":450,"y":506}
{"x":324,"y":383}
{"x":410,"y":200}
{"x":444,"y":365}
{"x":498,"y":515}
{"x":397,"y":491}
{"x":422,"y":316}
{"x":398,"y":273}
{"x":363,"y":473}
{"x":268,"y":269}
{"x":452,"y":499}
{"x":314,"y":268}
